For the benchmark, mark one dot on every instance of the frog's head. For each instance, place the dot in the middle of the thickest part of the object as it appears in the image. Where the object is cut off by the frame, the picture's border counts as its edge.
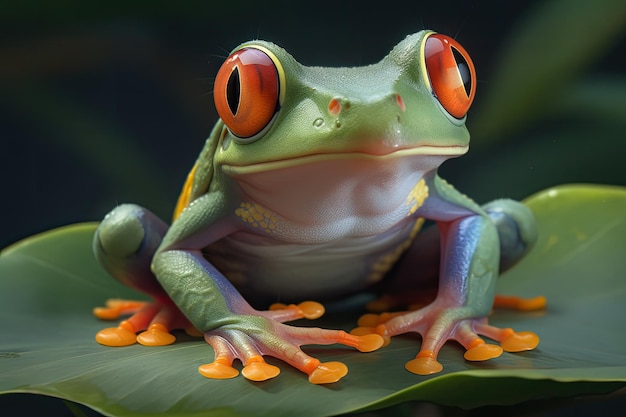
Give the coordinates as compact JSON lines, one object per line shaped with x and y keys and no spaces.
{"x":279,"y":114}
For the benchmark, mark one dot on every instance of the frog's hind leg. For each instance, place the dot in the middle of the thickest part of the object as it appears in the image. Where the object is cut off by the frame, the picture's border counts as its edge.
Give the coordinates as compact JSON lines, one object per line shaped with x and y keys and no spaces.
{"x":517,"y":233}
{"x":517,"y":230}
{"x":124,"y":244}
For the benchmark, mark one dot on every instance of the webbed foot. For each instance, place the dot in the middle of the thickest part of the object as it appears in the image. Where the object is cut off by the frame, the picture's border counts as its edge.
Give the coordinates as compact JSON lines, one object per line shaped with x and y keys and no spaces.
{"x":437,"y":325}
{"x":152,"y":320}
{"x":251,"y":337}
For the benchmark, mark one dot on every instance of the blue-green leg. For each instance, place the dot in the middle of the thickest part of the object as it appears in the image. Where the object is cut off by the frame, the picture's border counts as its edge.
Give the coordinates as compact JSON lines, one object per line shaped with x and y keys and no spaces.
{"x":473,"y":245}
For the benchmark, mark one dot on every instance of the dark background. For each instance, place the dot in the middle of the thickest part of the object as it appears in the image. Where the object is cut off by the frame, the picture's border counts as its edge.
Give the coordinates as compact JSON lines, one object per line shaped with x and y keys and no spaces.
{"x":110,"y":103}
{"x":107,"y":104}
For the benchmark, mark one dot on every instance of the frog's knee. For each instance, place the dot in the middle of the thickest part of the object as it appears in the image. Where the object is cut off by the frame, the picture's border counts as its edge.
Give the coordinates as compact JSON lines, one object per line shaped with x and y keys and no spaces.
{"x":517,"y":229}
{"x":125,"y":243}
{"x":126,"y":232}
{"x":121,"y":232}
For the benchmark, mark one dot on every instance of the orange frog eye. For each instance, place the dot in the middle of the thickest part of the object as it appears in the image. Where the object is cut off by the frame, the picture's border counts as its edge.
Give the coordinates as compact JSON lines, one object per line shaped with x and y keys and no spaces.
{"x":451,"y":73}
{"x":247,"y":89}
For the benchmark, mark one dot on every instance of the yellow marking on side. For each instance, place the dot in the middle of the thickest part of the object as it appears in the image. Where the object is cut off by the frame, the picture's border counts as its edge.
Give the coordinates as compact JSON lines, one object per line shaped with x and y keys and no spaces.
{"x":417,"y":196}
{"x":388,"y":260}
{"x":257,"y":216}
{"x":185,"y":195}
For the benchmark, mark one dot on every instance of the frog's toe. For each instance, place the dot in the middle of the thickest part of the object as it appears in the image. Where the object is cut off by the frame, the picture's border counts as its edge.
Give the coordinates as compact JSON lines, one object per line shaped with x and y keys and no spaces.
{"x":482,"y":352}
{"x":222,"y":365}
{"x":122,"y":335}
{"x":370,"y":324}
{"x":156,"y":335}
{"x":364,"y":331}
{"x":309,"y":310}
{"x":328,"y":373}
{"x":218,"y":370}
{"x":510,"y":340}
{"x":425,"y":363}
{"x":520,"y":341}
{"x":114,"y":308}
{"x":256,"y":369}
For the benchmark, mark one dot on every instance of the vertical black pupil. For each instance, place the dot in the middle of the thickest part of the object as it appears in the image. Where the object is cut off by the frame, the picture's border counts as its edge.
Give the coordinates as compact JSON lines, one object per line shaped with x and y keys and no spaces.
{"x":233,"y":91}
{"x":461,"y":64}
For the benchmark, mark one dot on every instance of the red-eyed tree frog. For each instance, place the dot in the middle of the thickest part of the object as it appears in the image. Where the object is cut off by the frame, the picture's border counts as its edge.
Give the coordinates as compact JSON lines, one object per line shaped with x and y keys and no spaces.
{"x":313,"y":185}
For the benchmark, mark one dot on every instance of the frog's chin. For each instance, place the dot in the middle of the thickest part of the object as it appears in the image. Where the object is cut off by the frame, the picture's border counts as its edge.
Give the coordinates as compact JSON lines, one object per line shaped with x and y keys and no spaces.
{"x":429,"y":154}
{"x":331,"y":188}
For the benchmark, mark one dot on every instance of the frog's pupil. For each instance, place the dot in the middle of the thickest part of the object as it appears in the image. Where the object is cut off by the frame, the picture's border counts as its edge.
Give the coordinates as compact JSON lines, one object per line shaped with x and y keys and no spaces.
{"x":461,"y":64}
{"x":233,"y":91}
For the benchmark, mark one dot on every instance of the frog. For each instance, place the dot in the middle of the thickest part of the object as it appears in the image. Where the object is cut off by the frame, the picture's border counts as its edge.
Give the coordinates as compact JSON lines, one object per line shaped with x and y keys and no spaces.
{"x":313,"y":185}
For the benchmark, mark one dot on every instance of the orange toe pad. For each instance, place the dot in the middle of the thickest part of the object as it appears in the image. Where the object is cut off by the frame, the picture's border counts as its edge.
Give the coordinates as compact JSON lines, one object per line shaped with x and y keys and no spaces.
{"x":423,"y":366}
{"x":156,"y":335}
{"x":116,"y":336}
{"x":217,"y":370}
{"x":259,"y":371}
{"x":520,"y":341}
{"x":327,"y":373}
{"x":483,"y":352}
{"x":370,"y":342}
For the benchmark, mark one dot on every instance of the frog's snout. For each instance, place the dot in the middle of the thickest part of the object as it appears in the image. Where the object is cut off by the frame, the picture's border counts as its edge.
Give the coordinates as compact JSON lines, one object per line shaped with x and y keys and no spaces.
{"x":336,"y":105}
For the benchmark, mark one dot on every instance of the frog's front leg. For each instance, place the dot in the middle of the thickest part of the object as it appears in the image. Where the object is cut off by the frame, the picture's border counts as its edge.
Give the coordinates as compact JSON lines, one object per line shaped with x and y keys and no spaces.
{"x":237,"y":331}
{"x":469,"y":266}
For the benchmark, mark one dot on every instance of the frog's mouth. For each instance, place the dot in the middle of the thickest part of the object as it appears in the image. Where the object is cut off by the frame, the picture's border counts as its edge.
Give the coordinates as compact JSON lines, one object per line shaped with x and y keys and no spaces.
{"x":430,"y":156}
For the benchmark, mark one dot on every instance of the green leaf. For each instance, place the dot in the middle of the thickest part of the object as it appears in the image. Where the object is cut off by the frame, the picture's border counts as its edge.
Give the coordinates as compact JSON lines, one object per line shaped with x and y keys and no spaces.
{"x":50,"y":282}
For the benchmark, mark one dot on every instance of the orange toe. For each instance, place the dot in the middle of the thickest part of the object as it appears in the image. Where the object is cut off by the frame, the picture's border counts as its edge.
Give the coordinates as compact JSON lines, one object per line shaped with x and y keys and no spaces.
{"x":123,"y":335}
{"x":520,"y":341}
{"x":327,"y":373}
{"x":424,"y":364}
{"x":367,"y":331}
{"x":370,"y":342}
{"x":156,"y":335}
{"x":483,"y":352}
{"x":217,"y":370}
{"x":116,"y":307}
{"x":258,"y":370}
{"x":311,"y":309}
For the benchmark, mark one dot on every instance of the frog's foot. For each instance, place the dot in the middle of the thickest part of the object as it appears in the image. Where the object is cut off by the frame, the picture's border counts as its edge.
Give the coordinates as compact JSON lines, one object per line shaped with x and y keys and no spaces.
{"x":437,"y":325}
{"x":250,"y":338}
{"x":154,"y":321}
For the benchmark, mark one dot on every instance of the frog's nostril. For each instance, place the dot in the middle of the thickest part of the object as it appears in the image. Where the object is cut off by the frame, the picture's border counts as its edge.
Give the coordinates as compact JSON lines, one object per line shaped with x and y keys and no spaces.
{"x":334,"y":107}
{"x":400,"y":102}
